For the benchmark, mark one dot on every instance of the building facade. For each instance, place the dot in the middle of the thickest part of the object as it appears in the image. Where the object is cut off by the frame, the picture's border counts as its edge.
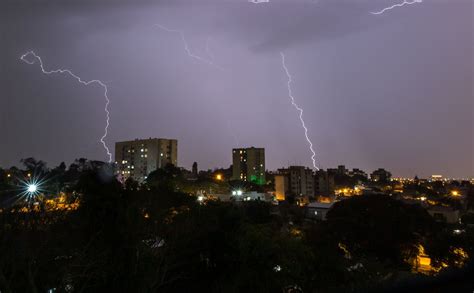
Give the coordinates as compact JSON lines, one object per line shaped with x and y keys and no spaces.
{"x":380,"y":175}
{"x":295,"y":181}
{"x":282,"y":186}
{"x":248,"y":164}
{"x":301,"y":181}
{"x":137,"y":158}
{"x":324,"y":183}
{"x":318,"y":210}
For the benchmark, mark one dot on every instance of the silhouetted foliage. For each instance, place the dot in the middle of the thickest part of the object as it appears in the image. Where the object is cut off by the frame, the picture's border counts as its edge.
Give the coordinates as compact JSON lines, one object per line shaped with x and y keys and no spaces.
{"x":156,"y":237}
{"x":381,"y":227}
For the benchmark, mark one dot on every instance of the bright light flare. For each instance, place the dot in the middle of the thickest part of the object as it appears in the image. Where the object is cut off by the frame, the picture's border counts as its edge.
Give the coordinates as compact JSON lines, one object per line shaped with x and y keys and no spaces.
{"x":25,"y":58}
{"x":237,"y":192}
{"x":32,"y":188}
{"x":455,"y":193}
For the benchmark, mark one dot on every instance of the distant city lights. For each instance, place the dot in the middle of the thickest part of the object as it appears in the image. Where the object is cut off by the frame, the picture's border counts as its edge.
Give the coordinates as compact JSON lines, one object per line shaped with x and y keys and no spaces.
{"x":237,"y":192}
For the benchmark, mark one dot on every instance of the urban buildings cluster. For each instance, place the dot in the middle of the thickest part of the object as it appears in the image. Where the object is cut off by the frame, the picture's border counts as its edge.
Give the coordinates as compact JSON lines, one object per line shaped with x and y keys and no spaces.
{"x":311,"y":196}
{"x":137,"y":158}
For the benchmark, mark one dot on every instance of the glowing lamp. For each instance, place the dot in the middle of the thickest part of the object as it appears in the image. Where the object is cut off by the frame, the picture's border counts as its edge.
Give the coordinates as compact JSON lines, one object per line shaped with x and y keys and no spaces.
{"x":32,"y":188}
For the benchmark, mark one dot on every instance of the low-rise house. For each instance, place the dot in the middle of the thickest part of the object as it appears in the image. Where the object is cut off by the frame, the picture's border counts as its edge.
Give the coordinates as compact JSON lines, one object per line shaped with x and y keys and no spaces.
{"x":444,"y":214}
{"x":318,"y":210}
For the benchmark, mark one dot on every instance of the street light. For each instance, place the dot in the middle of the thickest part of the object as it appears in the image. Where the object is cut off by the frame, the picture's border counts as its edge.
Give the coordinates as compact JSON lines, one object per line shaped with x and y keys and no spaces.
{"x":237,"y":192}
{"x":32,"y":188}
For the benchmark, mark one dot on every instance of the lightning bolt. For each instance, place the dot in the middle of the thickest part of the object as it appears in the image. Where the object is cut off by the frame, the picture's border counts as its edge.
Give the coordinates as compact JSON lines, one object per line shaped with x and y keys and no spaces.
{"x":259,"y":1}
{"x":186,"y":46}
{"x":300,"y":110}
{"x":397,"y":5}
{"x":86,"y":83}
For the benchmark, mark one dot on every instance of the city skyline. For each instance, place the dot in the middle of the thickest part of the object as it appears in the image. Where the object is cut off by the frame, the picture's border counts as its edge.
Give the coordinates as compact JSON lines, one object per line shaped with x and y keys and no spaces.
{"x":390,"y":91}
{"x":236,"y":146}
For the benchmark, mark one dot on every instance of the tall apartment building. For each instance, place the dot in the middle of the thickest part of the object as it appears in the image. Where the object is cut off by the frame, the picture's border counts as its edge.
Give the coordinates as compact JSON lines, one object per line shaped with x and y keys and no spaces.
{"x":324,"y":183}
{"x":380,"y":175}
{"x":138,"y":158}
{"x":295,"y":181}
{"x":282,"y":186}
{"x":301,"y":181}
{"x":248,"y":164}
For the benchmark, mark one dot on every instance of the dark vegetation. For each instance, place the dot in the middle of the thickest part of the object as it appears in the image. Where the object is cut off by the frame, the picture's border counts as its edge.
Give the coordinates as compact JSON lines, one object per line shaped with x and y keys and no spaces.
{"x":155,"y":238}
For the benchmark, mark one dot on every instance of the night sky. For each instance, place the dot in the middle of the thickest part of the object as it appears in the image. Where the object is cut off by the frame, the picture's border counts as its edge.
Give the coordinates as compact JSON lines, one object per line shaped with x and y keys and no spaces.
{"x":392,"y":90}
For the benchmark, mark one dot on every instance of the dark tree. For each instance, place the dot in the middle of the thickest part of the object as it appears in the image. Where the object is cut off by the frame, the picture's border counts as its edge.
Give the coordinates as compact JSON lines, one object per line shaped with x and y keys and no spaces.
{"x":378,"y":226}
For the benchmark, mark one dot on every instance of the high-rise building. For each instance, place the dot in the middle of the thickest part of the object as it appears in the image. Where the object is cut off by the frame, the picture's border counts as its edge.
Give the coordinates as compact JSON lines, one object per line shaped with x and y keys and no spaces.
{"x":381,"y":175}
{"x":357,"y":173}
{"x":282,"y":186}
{"x":137,"y":158}
{"x":301,"y":181}
{"x":295,"y":181}
{"x":324,"y":182}
{"x":248,"y":164}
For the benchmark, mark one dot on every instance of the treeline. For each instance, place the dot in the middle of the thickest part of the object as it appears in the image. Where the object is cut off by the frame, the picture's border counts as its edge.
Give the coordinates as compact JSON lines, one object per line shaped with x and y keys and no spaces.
{"x":158,"y":239}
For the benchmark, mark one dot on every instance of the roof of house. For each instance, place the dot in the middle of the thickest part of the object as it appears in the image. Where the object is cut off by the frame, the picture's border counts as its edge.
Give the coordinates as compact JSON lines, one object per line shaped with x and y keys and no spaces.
{"x":320,"y":205}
